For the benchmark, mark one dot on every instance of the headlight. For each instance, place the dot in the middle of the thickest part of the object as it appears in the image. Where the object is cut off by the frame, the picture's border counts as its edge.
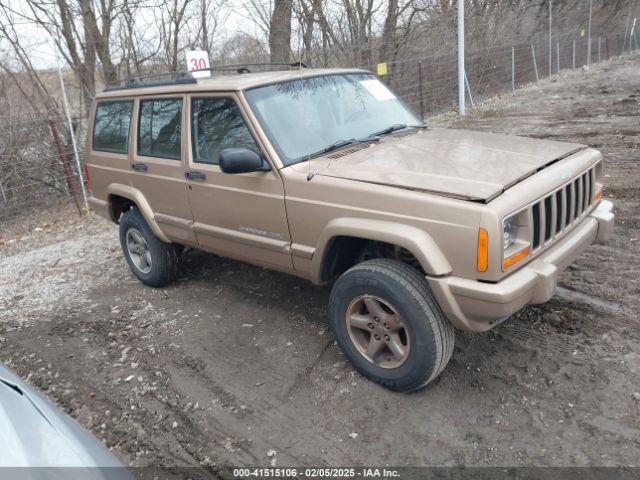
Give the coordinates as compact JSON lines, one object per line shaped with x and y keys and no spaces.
{"x":515,"y":239}
{"x":509,"y":232}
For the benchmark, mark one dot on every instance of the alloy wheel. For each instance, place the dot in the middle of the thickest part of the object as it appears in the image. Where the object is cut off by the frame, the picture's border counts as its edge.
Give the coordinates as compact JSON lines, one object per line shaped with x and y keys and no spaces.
{"x":138,"y":250}
{"x":378,"y":331}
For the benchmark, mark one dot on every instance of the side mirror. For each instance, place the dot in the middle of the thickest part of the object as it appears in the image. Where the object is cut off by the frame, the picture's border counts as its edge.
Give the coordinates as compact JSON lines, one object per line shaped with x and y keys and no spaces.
{"x":241,"y":160}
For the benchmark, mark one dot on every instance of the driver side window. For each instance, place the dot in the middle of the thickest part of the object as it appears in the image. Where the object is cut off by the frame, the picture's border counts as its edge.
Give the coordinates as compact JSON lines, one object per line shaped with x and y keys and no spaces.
{"x":216,"y":124}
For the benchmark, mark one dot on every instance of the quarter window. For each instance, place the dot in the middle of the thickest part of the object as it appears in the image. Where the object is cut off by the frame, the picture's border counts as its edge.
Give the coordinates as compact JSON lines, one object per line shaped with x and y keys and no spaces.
{"x":111,"y":126}
{"x":218,"y":124}
{"x":160,"y":128}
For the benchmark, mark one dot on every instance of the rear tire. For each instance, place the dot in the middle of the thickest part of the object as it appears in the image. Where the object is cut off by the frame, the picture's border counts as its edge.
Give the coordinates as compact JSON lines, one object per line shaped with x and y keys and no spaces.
{"x":153,"y":261}
{"x":386,"y":306}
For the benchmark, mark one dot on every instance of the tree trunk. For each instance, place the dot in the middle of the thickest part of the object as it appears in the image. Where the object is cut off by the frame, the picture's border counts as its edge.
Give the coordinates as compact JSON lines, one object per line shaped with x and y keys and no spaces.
{"x":205,"y":30}
{"x":389,"y":32}
{"x":280,"y":31}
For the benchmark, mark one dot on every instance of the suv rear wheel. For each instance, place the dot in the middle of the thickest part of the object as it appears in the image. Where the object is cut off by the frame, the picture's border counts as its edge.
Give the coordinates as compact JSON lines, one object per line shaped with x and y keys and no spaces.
{"x":389,"y":325}
{"x":153,"y":261}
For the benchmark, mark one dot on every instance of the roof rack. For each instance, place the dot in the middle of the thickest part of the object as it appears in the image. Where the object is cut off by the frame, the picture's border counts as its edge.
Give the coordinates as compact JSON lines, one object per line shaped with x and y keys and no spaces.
{"x":175,"y":78}
{"x":153,"y":80}
{"x":244,"y":67}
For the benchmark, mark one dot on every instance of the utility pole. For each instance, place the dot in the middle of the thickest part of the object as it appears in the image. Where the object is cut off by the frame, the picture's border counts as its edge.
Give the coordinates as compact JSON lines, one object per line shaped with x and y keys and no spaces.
{"x":550,"y":37}
{"x":461,"y":73}
{"x":589,"y":36}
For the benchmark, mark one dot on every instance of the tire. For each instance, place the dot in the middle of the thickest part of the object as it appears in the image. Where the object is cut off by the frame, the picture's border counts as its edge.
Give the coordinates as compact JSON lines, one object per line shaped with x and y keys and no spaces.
{"x":402,"y":290}
{"x":164,"y":257}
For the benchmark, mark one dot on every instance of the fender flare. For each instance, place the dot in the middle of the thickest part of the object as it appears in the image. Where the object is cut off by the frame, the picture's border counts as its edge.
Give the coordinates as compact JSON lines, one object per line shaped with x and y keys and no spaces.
{"x":415,"y":240}
{"x":139,"y":199}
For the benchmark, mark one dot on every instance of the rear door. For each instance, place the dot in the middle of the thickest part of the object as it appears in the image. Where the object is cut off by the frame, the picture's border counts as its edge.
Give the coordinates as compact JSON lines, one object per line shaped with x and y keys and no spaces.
{"x":109,"y":153}
{"x":159,"y":162}
{"x":237,"y":215}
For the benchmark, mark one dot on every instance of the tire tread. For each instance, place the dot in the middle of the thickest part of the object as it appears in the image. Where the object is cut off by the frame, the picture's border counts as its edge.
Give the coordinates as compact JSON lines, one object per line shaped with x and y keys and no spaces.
{"x":418,"y":288}
{"x":166,"y":261}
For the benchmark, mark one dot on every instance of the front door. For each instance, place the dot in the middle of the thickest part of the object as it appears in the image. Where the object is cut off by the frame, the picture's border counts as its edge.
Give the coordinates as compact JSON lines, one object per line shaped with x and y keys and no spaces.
{"x":159,"y":163}
{"x":240,"y":216}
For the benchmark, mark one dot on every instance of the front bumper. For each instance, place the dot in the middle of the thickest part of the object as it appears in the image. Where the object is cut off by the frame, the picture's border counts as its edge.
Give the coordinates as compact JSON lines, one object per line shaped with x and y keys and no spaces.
{"x":479,"y":306}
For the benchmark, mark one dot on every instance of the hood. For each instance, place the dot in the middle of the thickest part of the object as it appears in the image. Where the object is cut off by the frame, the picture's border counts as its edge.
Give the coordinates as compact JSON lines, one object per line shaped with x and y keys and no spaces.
{"x":35,"y":434}
{"x":462,"y":164}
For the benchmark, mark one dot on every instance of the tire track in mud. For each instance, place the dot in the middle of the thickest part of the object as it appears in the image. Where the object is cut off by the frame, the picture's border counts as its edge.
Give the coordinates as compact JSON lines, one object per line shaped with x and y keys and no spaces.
{"x":279,"y":417}
{"x":179,"y":366}
{"x":540,"y":342}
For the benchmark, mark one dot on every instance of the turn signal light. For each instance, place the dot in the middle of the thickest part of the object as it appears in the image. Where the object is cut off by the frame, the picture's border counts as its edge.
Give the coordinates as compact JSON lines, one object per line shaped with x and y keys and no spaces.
{"x":597,"y":196}
{"x":483,"y":250}
{"x":515,"y":258}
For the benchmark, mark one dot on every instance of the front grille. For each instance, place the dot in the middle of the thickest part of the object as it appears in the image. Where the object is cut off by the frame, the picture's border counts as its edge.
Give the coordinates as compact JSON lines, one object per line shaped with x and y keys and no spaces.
{"x":555,"y":213}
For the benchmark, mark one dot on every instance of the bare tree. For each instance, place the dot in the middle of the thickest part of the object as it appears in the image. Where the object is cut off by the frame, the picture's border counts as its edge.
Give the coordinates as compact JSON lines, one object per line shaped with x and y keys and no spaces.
{"x":280,"y":31}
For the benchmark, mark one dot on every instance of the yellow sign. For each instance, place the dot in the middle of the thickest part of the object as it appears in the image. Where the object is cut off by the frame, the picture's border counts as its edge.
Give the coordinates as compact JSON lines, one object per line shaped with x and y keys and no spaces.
{"x":381,"y":69}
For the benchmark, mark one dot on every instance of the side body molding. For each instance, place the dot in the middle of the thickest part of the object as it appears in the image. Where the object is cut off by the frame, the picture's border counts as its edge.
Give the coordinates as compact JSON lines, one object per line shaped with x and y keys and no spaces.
{"x":139,"y":199}
{"x":417,"y":241}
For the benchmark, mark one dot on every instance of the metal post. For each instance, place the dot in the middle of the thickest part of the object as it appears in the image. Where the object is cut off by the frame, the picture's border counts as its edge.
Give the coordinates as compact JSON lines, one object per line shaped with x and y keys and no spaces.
{"x":599,"y":49}
{"x":633,"y":34}
{"x":589,"y":39}
{"x":573,"y":58}
{"x":513,"y":68}
{"x":557,"y":57}
{"x":535,"y":65}
{"x":73,"y":139}
{"x":461,"y":74}
{"x":550,"y":37}
{"x":626,"y":28}
{"x":421,"y":90}
{"x":64,"y":159}
{"x":466,"y":80}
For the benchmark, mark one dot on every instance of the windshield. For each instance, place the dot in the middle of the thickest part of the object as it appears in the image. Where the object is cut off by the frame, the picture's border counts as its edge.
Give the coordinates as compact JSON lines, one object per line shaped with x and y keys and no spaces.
{"x":306,"y":117}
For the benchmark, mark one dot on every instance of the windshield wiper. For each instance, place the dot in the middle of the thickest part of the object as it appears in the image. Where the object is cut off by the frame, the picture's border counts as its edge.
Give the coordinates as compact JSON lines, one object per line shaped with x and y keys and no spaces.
{"x":374,"y":137}
{"x":337,"y":145}
{"x":394,"y":128}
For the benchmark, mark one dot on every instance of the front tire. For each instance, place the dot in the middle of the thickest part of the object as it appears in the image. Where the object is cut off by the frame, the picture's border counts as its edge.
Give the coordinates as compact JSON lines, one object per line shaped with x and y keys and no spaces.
{"x":389,"y":325}
{"x":153,"y":261}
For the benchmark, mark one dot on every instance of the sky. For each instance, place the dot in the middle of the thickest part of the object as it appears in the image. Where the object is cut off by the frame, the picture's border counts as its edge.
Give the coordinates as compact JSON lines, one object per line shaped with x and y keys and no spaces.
{"x":42,"y":53}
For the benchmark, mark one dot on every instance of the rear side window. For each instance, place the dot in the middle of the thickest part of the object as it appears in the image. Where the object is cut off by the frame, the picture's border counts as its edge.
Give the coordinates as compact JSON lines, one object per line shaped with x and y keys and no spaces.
{"x":111,"y":126}
{"x":160,"y":126}
{"x":216,"y":124}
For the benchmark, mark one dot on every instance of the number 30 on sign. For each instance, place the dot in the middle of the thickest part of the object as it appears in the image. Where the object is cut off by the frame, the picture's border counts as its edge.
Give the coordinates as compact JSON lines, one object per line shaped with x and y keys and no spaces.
{"x":198,"y":60}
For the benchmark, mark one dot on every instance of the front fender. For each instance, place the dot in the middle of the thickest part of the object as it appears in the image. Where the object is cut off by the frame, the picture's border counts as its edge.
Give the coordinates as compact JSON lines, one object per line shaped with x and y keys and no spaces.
{"x":416,"y":241}
{"x":139,"y":199}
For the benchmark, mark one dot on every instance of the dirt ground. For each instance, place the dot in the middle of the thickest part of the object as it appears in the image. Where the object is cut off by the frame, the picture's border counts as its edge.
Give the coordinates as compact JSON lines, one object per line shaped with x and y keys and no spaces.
{"x":234,"y":365}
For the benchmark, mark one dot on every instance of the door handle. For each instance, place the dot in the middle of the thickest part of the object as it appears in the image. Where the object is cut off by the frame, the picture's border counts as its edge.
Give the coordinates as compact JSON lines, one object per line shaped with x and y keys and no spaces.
{"x":194,"y":175}
{"x":141,"y":167}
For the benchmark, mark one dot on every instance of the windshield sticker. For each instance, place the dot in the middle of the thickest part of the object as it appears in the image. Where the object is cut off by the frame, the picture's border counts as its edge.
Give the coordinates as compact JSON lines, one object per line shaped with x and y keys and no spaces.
{"x":378,"y":90}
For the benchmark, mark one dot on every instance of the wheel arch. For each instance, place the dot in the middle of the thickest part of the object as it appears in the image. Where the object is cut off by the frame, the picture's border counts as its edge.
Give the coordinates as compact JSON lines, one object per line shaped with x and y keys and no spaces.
{"x":117,"y":197}
{"x":417,"y":242}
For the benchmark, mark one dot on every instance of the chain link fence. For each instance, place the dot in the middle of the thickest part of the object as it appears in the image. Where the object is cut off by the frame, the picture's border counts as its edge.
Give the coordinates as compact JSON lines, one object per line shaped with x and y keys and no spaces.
{"x":37,"y":167}
{"x":429,"y":84}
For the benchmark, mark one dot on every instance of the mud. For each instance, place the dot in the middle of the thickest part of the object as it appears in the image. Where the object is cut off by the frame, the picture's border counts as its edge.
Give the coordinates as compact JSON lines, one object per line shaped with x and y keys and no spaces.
{"x":233,"y":362}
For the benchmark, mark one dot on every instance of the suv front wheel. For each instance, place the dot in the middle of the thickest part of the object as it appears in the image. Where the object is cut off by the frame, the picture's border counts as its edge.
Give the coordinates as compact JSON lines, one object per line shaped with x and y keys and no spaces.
{"x":153,"y":261}
{"x":389,"y":325}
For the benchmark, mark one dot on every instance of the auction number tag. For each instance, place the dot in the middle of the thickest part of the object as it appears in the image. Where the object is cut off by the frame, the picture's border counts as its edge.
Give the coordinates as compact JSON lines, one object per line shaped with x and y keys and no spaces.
{"x":198,"y":60}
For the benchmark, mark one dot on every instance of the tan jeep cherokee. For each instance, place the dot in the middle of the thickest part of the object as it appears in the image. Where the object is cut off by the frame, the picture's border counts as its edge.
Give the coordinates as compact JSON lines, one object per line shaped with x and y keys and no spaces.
{"x":328,"y":175}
